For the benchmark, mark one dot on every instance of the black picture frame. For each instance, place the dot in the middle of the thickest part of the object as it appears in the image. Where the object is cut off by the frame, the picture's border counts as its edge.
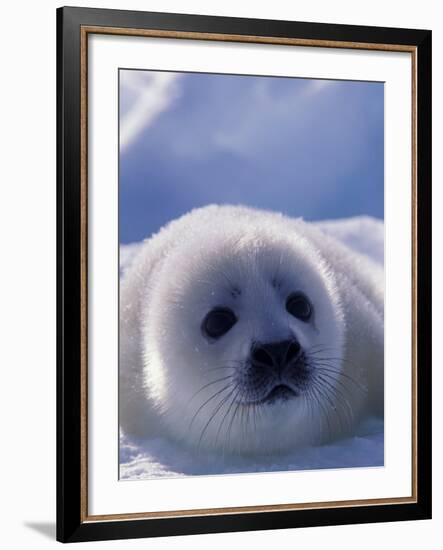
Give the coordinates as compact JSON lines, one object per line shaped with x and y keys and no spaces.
{"x":72,"y":524}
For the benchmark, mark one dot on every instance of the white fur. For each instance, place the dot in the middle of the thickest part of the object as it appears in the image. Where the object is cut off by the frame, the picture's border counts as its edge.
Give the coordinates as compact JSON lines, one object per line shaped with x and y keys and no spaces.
{"x":169,"y":370}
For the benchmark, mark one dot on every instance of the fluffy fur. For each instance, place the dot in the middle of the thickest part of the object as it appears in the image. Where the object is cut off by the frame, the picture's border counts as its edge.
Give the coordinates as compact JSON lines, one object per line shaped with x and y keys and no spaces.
{"x":175,"y":381}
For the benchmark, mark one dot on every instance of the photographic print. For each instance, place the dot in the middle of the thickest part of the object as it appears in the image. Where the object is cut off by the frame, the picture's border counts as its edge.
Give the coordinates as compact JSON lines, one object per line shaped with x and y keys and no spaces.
{"x":251,"y":299}
{"x":244,"y":274}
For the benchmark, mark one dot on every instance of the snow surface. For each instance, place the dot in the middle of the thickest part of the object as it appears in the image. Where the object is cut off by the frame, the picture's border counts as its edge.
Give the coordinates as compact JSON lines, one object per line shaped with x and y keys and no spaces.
{"x":164,"y":458}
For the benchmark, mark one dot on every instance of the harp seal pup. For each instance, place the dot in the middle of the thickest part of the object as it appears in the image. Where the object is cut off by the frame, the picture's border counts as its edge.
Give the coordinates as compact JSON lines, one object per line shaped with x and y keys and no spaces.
{"x":248,"y":332}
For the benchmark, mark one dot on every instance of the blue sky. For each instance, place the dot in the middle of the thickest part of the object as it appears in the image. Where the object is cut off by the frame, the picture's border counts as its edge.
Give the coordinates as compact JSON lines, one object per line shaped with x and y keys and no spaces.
{"x":310,"y":148}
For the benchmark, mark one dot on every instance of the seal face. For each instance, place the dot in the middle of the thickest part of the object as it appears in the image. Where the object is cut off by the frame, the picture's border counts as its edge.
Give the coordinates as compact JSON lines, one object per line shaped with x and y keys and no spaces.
{"x":240,"y":337}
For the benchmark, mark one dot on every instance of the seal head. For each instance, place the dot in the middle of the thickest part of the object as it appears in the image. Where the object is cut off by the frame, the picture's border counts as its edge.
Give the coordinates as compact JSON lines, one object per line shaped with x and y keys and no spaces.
{"x":243,"y":338}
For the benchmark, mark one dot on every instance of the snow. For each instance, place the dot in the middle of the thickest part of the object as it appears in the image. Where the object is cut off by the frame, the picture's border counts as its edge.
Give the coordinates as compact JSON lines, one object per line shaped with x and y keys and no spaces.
{"x":163,"y":458}
{"x":363,"y":234}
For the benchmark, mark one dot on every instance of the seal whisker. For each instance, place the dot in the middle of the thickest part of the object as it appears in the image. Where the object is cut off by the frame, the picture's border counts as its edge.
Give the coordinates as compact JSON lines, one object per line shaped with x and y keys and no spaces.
{"x":319,"y":398}
{"x":325,"y":350}
{"x":334,"y":380}
{"x":313,"y":406}
{"x":207,"y":401}
{"x":333,"y":376}
{"x":226,"y":414}
{"x":317,"y":365}
{"x":210,"y":384}
{"x":340,"y":360}
{"x":329,"y":396}
{"x":326,"y":362}
{"x":213,"y":415}
{"x":318,"y":407}
{"x":330,"y":369}
{"x":313,"y":416}
{"x":228,"y":434}
{"x":316,"y":350}
{"x":336,"y":392}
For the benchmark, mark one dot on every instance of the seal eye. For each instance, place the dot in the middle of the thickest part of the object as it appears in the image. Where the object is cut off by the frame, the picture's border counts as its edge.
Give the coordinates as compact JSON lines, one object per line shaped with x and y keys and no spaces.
{"x":218,"y":322}
{"x":299,"y":306}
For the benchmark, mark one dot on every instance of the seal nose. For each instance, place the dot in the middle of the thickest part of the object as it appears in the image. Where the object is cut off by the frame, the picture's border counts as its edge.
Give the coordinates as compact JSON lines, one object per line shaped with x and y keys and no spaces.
{"x":275,"y":354}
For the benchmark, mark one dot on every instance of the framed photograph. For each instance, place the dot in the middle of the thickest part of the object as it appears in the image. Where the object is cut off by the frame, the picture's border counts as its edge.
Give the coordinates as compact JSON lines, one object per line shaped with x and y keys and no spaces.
{"x":244,"y":274}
